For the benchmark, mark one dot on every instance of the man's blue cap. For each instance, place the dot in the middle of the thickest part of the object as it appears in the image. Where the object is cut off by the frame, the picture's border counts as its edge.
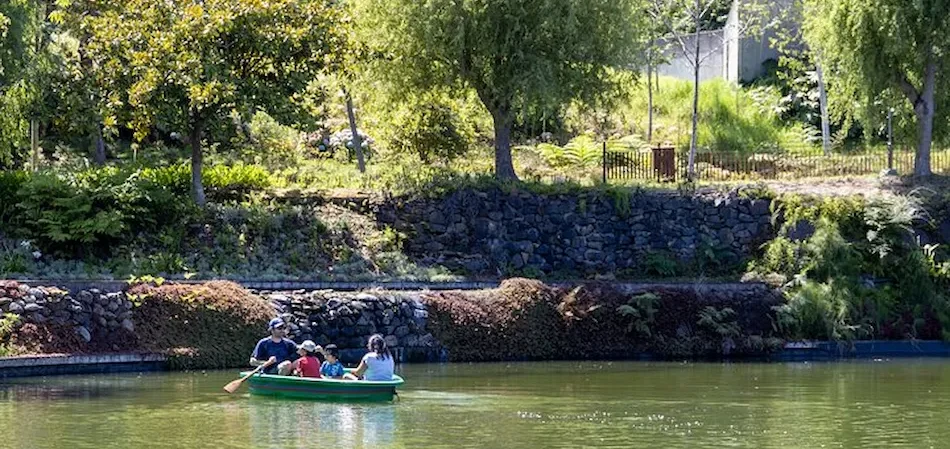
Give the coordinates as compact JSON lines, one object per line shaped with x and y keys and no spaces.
{"x":275,"y":323}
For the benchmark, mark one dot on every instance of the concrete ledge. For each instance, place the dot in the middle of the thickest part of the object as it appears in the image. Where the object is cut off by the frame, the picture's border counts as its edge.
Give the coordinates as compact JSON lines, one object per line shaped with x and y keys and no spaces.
{"x":872,"y":349}
{"x":48,"y":365}
{"x":114,"y":286}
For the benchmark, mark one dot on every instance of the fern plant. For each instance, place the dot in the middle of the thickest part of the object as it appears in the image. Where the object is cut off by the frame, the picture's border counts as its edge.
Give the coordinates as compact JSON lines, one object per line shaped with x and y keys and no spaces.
{"x":640,"y":310}
{"x":719,"y":321}
{"x":583,"y":151}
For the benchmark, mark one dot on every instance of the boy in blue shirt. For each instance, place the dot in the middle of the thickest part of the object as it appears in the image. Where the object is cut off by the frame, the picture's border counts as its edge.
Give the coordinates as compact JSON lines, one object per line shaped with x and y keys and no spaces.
{"x":275,"y":351}
{"x":331,"y":367}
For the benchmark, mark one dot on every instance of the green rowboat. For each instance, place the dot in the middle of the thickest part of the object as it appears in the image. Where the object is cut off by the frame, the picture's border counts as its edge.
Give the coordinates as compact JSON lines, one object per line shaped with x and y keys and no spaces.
{"x":292,"y":387}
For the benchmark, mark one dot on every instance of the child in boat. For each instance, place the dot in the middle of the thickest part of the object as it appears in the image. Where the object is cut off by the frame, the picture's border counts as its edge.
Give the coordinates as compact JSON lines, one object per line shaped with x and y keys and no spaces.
{"x":308,"y":365}
{"x":377,"y":364}
{"x":332,"y":367}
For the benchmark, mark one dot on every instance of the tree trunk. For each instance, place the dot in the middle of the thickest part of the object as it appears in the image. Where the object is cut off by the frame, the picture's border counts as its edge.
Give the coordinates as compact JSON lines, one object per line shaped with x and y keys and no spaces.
{"x":823,"y":106}
{"x":890,"y":140}
{"x":357,"y":142}
{"x":100,"y":147}
{"x":926,"y":110}
{"x":649,"y":105}
{"x":504,"y":168}
{"x":197,"y":186}
{"x":691,"y":163}
{"x":925,"y":126}
{"x":34,"y":123}
{"x":35,"y":143}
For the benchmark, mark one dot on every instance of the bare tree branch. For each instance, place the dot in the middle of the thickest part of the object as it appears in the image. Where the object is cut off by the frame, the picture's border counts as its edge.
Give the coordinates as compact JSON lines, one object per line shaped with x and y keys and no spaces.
{"x":657,"y":13}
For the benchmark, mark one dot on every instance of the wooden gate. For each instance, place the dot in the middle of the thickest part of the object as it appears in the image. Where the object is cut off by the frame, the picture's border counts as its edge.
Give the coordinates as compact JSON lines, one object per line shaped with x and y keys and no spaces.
{"x":664,"y":164}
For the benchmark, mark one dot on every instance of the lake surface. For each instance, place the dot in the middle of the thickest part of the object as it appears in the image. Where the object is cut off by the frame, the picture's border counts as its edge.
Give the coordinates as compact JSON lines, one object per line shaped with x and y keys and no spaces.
{"x":900,"y":403}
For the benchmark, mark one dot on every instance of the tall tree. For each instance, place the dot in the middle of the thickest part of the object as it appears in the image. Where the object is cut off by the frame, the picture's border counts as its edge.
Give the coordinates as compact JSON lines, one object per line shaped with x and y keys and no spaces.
{"x":872,"y":46}
{"x":517,"y":55}
{"x":22,"y":71}
{"x":83,"y":88}
{"x":802,"y":69}
{"x":187,"y":64}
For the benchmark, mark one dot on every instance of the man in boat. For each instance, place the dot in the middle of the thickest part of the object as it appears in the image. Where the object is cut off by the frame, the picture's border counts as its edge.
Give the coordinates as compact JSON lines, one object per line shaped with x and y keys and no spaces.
{"x":276,"y":351}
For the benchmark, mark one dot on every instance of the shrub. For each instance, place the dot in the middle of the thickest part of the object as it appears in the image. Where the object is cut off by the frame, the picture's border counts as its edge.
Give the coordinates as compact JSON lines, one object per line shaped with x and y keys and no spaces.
{"x":582,"y":151}
{"x":820,"y":311}
{"x":430,"y":129}
{"x":640,"y":310}
{"x":68,"y":215}
{"x":862,"y":274}
{"x":222,"y":182}
{"x":211,"y":325}
{"x":691,"y":325}
{"x":47,"y":338}
{"x":526,"y":320}
{"x":86,"y":213}
{"x":272,"y":144}
{"x":10,"y":183}
{"x":8,"y":327}
{"x":517,"y":321}
{"x":660,"y":264}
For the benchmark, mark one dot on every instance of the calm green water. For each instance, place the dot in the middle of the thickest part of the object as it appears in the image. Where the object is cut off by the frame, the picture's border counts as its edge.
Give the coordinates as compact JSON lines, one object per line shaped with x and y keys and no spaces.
{"x":537,"y":405}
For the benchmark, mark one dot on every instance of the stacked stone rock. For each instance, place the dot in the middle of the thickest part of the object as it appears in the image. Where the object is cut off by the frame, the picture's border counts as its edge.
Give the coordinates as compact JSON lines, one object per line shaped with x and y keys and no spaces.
{"x":348,"y":319}
{"x":89,"y":311}
{"x":488,"y":231}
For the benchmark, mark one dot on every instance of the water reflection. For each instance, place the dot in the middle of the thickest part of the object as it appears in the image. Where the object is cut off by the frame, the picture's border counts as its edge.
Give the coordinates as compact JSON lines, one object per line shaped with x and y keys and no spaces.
{"x":67,"y":388}
{"x":299,"y":424}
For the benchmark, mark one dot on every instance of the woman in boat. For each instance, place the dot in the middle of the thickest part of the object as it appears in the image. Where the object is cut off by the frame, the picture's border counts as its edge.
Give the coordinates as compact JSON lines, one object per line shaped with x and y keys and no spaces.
{"x":377,"y":364}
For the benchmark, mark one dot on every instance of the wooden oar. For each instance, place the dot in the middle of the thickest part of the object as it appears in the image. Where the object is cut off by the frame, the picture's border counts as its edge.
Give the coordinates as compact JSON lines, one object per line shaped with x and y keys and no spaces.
{"x":235,"y":384}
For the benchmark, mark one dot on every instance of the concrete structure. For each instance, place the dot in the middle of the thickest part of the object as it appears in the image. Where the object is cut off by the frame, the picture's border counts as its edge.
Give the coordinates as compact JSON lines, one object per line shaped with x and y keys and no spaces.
{"x":710,"y":53}
{"x":47,"y":365}
{"x":726,"y":53}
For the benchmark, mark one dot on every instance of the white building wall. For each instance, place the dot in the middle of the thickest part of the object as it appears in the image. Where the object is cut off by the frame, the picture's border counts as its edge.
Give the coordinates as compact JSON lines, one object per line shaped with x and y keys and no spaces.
{"x":710,"y":50}
{"x":728,"y":55}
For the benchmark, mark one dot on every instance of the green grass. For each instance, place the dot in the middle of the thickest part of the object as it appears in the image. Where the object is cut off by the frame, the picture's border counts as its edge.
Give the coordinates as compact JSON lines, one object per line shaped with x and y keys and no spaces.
{"x":731,"y":118}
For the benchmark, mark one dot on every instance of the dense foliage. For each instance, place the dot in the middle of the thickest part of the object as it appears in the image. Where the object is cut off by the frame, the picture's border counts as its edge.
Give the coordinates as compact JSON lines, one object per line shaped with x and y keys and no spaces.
{"x":519,"y":57}
{"x":881,"y":50}
{"x":857,"y":270}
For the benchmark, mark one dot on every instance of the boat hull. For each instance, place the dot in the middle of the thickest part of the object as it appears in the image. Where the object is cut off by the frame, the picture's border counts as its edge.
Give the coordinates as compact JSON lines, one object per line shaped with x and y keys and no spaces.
{"x":323,"y":389}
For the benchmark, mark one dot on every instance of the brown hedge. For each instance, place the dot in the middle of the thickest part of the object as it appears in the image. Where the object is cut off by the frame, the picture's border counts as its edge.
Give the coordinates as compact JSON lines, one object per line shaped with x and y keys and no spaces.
{"x":210,"y":325}
{"x":527,"y":320}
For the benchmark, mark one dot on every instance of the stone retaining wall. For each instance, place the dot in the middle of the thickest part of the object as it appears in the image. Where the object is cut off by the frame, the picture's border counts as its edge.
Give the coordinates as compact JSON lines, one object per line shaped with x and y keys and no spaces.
{"x":346,"y":319}
{"x":500,"y":232}
{"x":90,"y":312}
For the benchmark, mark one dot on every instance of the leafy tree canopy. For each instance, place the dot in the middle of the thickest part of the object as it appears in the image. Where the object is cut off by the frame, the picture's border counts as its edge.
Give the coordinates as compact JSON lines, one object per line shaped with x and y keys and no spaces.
{"x":877,"y":49}
{"x":186,"y":64}
{"x":518,"y":55}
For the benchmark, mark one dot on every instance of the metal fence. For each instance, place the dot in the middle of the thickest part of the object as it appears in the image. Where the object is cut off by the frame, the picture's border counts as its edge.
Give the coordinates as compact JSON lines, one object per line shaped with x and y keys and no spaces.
{"x":669,"y":165}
